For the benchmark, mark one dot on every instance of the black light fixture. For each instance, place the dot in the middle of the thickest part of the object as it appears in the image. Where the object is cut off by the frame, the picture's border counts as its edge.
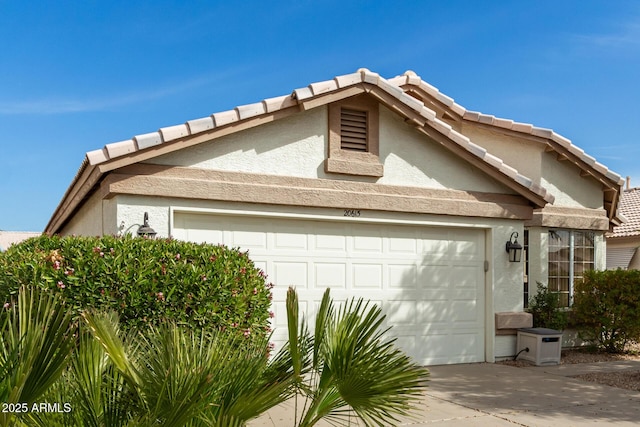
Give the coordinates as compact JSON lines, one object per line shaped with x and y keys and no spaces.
{"x":145,"y":230}
{"x":514,"y":249}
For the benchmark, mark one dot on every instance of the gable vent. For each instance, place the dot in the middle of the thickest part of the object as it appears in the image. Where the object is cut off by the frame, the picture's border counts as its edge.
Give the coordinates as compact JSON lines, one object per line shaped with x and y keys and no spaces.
{"x":353,"y":130}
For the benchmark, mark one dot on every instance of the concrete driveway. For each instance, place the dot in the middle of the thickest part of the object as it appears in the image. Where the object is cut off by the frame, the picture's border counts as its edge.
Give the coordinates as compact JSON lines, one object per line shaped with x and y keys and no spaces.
{"x":486,"y":394}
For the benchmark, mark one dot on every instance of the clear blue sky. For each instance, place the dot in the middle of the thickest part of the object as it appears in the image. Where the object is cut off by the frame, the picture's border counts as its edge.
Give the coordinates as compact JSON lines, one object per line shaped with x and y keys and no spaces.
{"x":76,"y":75}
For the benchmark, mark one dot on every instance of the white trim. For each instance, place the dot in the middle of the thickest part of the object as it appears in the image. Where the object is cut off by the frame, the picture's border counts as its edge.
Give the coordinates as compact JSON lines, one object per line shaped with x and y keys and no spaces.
{"x":319,"y":217}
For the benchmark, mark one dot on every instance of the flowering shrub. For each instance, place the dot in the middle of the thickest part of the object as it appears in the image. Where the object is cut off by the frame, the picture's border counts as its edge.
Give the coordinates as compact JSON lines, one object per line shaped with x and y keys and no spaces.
{"x":144,"y":280}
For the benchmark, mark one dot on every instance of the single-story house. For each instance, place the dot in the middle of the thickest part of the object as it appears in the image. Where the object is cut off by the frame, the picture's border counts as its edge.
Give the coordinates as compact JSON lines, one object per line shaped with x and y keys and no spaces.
{"x":382,"y":188}
{"x":623,"y":242}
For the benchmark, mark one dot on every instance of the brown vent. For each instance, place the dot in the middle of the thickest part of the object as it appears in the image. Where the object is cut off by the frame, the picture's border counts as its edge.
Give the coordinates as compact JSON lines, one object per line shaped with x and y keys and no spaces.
{"x":353,"y":130}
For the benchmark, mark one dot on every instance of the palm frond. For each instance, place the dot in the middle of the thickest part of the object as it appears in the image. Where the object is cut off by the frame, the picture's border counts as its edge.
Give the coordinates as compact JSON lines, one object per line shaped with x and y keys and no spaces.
{"x":358,"y":369}
{"x":36,"y":342}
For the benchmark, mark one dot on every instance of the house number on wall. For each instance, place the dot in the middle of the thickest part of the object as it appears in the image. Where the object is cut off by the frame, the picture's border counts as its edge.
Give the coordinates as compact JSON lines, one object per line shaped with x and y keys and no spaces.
{"x":352,"y":212}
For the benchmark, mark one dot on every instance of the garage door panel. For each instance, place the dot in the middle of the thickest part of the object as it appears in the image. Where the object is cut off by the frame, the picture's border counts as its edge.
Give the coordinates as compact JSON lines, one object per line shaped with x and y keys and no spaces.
{"x":445,"y":347}
{"x":289,"y":241}
{"x":249,"y":239}
{"x":428,"y":281}
{"x":367,"y":244}
{"x":435,"y":276}
{"x":435,"y":245}
{"x":402,"y":245}
{"x":400,"y":313}
{"x":367,"y":276}
{"x":330,"y":275}
{"x":290,"y":274}
{"x":402,"y":276}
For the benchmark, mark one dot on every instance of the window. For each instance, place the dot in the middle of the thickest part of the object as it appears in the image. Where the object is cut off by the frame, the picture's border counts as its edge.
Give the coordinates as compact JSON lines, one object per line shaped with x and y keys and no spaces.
{"x":571,"y":253}
{"x":353,"y":137}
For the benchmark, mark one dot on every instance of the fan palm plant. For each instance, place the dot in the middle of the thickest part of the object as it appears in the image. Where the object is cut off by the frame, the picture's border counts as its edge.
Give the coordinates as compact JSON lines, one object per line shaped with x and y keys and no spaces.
{"x":183,"y":378}
{"x":36,"y":341}
{"x":353,"y":367}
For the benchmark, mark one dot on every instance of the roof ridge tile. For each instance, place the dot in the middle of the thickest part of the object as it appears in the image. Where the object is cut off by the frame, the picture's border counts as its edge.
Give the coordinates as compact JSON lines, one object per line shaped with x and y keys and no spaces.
{"x":348,"y":79}
{"x":250,"y":110}
{"x":325,"y":86}
{"x":201,"y":125}
{"x":172,"y":133}
{"x":225,"y":117}
{"x":147,"y":140}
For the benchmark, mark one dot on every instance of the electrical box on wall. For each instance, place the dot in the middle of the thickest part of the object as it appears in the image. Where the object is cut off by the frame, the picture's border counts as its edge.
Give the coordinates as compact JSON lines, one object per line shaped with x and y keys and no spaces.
{"x":540,"y":346}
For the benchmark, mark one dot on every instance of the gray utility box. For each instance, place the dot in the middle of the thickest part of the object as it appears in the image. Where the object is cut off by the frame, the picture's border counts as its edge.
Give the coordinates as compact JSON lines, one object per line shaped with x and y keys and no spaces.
{"x":545,"y":346}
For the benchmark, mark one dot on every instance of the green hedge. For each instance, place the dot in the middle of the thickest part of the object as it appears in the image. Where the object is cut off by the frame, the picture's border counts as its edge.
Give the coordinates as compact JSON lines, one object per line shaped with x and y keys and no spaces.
{"x":606,"y":308}
{"x":144,"y":280}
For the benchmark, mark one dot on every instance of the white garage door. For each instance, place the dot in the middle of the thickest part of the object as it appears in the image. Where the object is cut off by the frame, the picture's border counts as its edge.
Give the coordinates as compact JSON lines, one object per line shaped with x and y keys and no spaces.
{"x":429,"y":280}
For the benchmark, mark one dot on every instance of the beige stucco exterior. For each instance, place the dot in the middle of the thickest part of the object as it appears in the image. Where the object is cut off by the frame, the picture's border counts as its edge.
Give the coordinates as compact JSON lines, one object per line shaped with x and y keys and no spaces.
{"x":280,"y":164}
{"x":532,"y":158}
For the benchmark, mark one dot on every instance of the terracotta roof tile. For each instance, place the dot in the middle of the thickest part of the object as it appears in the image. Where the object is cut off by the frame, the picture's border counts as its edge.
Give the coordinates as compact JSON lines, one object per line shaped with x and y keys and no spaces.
{"x":348,"y":79}
{"x":323,"y":87}
{"x":486,"y":119}
{"x":303,"y":93}
{"x":250,"y":110}
{"x":541,"y":132}
{"x":410,"y":78}
{"x":565,"y":142}
{"x":390,"y":86}
{"x":394,"y":87}
{"x":97,"y":156}
{"x":369,"y":77}
{"x":472,"y":115}
{"x":503,"y":123}
{"x":225,"y":118}
{"x":174,"y":132}
{"x":521,"y":127}
{"x":201,"y":125}
{"x":121,"y":148}
{"x":630,"y":210}
{"x":148,"y":140}
{"x":278,"y":103}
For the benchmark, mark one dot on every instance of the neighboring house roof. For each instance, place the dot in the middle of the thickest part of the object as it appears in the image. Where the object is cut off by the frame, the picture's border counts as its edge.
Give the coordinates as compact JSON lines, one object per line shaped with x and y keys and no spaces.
{"x":8,"y":238}
{"x":630,"y":209}
{"x":397,"y":94}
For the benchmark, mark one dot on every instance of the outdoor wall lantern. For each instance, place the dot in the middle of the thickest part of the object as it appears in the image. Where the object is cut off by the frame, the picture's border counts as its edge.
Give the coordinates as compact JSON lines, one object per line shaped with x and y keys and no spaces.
{"x":514,"y":248}
{"x":145,"y":230}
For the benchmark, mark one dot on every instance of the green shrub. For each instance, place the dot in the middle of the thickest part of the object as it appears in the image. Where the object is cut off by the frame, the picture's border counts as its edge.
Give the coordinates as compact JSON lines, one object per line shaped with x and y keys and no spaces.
{"x":606,"y":308}
{"x":144,"y":280}
{"x":546,"y":310}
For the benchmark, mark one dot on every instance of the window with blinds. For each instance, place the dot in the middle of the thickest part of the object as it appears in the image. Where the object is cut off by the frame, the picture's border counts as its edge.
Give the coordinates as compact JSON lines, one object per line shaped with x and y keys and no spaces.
{"x":353,"y":130}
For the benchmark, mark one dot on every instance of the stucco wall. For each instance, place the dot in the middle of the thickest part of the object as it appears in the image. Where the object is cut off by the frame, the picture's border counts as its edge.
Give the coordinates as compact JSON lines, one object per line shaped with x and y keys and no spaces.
{"x":88,"y":221}
{"x":297,"y":146}
{"x":410,"y":158}
{"x":525,"y":156}
{"x":563,"y":180}
{"x":294,"y":146}
{"x":560,"y":178}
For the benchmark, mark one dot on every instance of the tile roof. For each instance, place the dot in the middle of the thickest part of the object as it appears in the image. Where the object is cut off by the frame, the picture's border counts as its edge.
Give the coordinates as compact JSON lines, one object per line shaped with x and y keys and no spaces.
{"x":392,"y":91}
{"x":410,"y":78}
{"x":630,"y":210}
{"x":315,"y":90}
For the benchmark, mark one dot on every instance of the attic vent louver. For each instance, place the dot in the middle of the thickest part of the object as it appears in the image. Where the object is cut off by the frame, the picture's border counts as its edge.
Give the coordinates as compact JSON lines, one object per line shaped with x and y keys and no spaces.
{"x":353,"y":130}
